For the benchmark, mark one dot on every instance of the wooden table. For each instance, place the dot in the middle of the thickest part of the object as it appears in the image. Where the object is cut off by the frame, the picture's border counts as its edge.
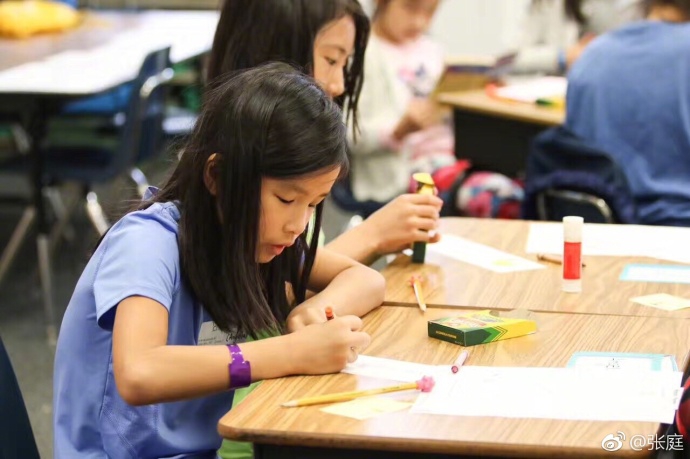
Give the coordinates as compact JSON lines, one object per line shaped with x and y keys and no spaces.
{"x":453,"y":283}
{"x":401,"y":333}
{"x":496,"y":134}
{"x":478,"y":101}
{"x":106,"y":50}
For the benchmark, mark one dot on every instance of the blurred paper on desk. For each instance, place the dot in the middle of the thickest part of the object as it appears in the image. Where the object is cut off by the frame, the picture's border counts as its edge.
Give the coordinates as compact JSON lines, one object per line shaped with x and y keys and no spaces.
{"x":532,"y":90}
{"x":480,"y":255}
{"x":556,"y":393}
{"x":663,"y":242}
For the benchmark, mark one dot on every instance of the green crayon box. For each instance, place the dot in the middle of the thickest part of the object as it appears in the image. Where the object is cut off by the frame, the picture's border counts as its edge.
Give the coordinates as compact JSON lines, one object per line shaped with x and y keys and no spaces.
{"x":478,"y":328}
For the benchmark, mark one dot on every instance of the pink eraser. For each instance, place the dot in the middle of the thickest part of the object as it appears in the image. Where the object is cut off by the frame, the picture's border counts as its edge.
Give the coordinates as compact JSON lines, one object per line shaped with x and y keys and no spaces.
{"x":426,"y":384}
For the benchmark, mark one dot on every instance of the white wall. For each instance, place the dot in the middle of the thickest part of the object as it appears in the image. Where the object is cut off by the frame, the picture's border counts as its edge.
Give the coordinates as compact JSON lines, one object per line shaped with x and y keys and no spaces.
{"x":476,"y":26}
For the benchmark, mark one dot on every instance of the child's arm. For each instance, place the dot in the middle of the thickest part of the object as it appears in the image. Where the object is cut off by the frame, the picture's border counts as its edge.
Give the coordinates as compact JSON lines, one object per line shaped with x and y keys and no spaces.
{"x":404,"y":220}
{"x":345,"y":285}
{"x":421,"y":113}
{"x":149,"y":371}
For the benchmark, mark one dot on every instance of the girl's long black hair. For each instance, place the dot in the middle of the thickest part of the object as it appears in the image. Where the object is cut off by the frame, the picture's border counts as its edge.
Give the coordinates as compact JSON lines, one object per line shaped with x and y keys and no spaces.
{"x":253,"y":32}
{"x":269,"y":121}
{"x":573,"y":10}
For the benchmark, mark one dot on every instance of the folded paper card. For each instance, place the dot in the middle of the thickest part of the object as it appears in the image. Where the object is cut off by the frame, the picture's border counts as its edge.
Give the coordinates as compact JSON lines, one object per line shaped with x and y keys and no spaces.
{"x":662,"y":301}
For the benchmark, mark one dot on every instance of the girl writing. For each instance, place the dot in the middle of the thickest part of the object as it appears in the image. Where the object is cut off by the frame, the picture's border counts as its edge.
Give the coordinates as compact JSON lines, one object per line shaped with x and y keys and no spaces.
{"x":151,"y":344}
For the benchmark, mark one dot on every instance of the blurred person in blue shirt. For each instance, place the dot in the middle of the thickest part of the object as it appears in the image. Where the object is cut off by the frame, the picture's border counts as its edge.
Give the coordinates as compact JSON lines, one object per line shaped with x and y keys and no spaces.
{"x":629,"y":95}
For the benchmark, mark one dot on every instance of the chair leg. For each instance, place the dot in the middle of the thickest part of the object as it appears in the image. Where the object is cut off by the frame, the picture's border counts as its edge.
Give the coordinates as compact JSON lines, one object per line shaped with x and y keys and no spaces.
{"x":16,"y":240}
{"x":140,"y":180}
{"x":46,"y":275}
{"x":63,"y":226}
{"x":96,"y":214}
{"x":21,"y":138}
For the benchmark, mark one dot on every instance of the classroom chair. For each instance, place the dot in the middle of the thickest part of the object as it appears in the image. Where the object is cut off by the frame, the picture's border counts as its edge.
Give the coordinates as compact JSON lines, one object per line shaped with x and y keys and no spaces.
{"x":20,"y":141}
{"x":16,"y":436}
{"x":21,"y":198}
{"x":554,"y":204}
{"x":89,"y":165}
{"x":566,"y":176}
{"x":139,"y":137}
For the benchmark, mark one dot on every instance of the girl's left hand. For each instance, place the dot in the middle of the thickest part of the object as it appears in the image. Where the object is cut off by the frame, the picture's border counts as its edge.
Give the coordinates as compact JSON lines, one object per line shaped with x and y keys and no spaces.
{"x":305,"y":314}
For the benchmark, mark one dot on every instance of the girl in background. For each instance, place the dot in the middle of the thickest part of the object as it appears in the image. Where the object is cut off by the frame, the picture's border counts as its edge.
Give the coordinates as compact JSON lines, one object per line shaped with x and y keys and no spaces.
{"x":148,"y":353}
{"x":402,"y":129}
{"x":327,"y":38}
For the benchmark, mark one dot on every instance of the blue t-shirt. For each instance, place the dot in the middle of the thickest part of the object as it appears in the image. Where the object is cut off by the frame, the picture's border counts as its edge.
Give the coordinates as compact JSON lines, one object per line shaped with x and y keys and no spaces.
{"x":138,"y":256}
{"x":629,"y":95}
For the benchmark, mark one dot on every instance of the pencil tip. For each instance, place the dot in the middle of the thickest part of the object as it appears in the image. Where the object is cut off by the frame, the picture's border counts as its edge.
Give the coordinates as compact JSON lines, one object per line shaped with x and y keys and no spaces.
{"x":290,"y":404}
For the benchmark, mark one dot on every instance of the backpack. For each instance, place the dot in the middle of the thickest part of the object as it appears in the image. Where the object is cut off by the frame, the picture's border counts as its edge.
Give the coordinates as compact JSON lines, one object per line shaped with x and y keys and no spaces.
{"x":560,"y":160}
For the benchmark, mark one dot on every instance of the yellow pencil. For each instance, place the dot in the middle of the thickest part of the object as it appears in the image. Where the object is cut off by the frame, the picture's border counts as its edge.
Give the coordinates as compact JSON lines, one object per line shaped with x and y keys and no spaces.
{"x":425,"y":385}
{"x":416,"y":283}
{"x":555,"y":259}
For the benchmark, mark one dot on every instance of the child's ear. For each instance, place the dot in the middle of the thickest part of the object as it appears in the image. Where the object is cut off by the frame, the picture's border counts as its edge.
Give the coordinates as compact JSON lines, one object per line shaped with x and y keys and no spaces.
{"x":211,"y":174}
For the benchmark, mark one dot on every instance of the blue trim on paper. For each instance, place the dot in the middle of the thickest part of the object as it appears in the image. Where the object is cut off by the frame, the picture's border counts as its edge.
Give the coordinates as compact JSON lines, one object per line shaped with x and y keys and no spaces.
{"x":656,"y":360}
{"x":626,"y":276}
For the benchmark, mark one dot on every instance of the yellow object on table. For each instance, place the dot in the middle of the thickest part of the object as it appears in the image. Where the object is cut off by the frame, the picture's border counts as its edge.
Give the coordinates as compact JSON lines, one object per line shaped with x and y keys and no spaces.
{"x":24,"y":18}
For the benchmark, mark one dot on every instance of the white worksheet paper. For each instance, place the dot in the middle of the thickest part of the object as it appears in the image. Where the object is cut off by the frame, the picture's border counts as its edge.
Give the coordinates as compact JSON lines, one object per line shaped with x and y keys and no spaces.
{"x":480,"y":255}
{"x":555,"y":393}
{"x":533,"y":89}
{"x":394,"y":370}
{"x":665,"y":243}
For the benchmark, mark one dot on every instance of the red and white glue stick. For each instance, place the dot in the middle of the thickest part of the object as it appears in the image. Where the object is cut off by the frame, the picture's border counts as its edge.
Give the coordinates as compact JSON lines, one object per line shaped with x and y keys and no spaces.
{"x":572,"y":254}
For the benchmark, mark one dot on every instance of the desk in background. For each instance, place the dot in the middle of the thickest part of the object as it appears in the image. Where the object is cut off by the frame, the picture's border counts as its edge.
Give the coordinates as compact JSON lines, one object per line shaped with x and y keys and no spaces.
{"x":401,"y":333}
{"x":453,"y":283}
{"x":496,"y":134}
{"x":40,"y":74}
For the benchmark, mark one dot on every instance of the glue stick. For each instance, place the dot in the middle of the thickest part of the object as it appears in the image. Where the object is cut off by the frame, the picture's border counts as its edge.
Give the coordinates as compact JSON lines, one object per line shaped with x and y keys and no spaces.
{"x":425,"y":185}
{"x":572,"y":254}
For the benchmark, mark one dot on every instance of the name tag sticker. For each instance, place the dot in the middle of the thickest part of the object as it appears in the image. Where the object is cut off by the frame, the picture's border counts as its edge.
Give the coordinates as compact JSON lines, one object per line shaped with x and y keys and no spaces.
{"x":210,"y":335}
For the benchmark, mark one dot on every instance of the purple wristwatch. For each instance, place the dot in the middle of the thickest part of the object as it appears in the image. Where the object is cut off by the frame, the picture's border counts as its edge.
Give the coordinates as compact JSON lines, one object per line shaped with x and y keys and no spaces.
{"x":239,"y":369}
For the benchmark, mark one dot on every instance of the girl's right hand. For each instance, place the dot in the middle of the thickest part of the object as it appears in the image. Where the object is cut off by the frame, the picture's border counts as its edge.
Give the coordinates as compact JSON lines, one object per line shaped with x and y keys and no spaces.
{"x":328,"y":347}
{"x":406,"y":219}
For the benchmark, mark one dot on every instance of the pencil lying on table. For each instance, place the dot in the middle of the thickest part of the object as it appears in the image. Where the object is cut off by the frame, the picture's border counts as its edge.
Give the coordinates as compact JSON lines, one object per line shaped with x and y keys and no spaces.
{"x":416,"y":283}
{"x":425,"y":385}
{"x":555,"y":259}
